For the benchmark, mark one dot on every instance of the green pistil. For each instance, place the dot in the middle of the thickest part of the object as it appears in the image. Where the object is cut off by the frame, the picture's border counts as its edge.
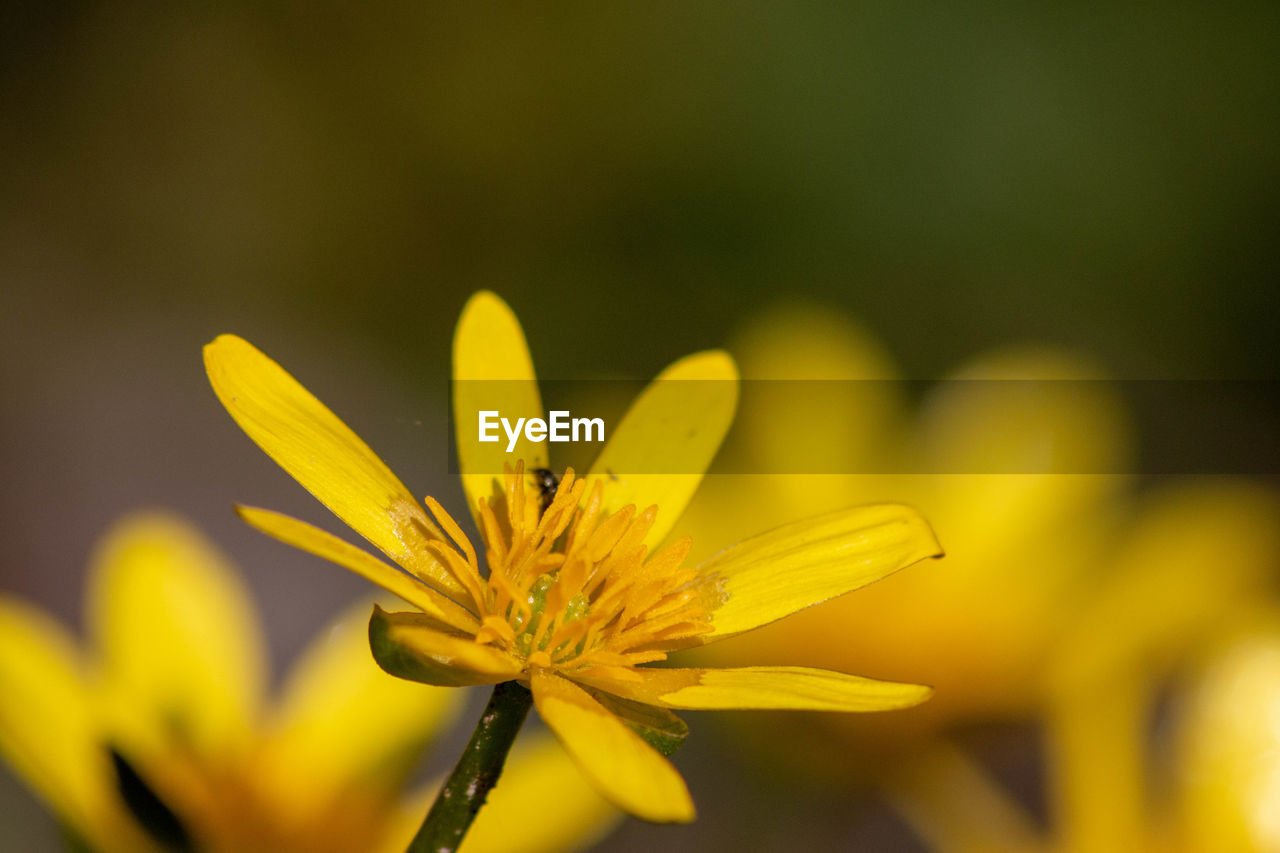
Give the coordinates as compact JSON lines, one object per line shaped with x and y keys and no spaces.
{"x":578,"y":607}
{"x":527,"y":629}
{"x":538,"y":593}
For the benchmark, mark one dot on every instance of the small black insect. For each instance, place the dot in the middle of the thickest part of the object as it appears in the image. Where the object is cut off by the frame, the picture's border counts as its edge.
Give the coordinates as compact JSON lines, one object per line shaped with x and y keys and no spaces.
{"x":548,"y":482}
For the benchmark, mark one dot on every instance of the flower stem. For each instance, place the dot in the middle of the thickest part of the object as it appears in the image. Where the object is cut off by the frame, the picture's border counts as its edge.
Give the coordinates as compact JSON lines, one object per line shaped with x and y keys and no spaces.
{"x":476,"y":772}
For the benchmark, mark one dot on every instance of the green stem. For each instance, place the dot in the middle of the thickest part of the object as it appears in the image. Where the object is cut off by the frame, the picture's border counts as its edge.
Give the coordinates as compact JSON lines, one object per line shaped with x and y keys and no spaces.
{"x":477,"y":771}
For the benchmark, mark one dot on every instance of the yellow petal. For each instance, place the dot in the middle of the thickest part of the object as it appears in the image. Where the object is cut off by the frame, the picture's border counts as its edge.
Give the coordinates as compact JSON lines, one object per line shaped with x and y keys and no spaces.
{"x":1026,"y":410}
{"x":791,"y":687}
{"x":409,"y":645}
{"x":623,"y":767}
{"x":520,"y":814}
{"x":667,"y":439}
{"x":324,"y":455}
{"x":1097,"y":746}
{"x":829,"y":400}
{"x":1229,"y":746}
{"x":492,"y":371}
{"x":660,"y":728}
{"x":313,"y":540}
{"x":777,"y":573}
{"x":1199,"y":554}
{"x":180,"y":657}
{"x":47,"y":731}
{"x":344,"y":727}
{"x":1193,"y":555}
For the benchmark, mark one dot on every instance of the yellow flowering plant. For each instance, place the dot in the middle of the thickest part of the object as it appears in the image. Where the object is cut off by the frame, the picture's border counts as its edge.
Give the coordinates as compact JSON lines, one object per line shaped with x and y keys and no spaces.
{"x":1208,"y":779}
{"x":1025,"y":543}
{"x":1183,"y":595}
{"x":156,"y":734}
{"x":1228,"y":744}
{"x":1069,"y":597}
{"x":1029,"y":494}
{"x":576,"y":594}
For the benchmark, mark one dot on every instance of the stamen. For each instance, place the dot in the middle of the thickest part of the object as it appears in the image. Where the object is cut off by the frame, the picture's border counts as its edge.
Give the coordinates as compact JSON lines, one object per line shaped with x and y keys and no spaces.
{"x":570,"y":587}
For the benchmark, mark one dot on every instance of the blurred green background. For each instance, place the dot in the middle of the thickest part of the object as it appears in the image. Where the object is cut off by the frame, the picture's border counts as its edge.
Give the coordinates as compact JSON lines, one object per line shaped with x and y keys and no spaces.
{"x":332,"y":181}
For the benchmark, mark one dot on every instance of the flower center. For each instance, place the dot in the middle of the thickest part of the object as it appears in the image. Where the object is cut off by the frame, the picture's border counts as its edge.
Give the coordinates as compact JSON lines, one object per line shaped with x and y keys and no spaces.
{"x":570,"y":587}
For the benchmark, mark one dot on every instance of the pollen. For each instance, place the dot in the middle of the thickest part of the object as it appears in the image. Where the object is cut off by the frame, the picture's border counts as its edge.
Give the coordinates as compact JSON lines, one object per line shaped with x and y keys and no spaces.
{"x":570,"y":587}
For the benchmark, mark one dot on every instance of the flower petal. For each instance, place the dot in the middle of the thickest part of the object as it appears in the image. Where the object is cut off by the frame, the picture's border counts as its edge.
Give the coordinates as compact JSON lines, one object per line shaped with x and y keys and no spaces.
{"x":1179,"y":532}
{"x":1228,"y":743}
{"x":344,"y":727}
{"x":797,"y":565}
{"x":411,"y":646}
{"x":822,"y":395}
{"x":181,"y":660}
{"x":47,"y":733}
{"x":792,"y":687}
{"x":666,"y":441}
{"x":313,"y":540}
{"x":492,"y":371}
{"x":1096,"y":738}
{"x":519,"y":813}
{"x":660,"y":728}
{"x":623,"y":767}
{"x":324,"y":455}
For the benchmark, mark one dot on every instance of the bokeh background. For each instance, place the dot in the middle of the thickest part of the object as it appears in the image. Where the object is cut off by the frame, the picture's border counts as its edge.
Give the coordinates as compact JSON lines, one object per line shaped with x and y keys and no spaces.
{"x":332,"y":182}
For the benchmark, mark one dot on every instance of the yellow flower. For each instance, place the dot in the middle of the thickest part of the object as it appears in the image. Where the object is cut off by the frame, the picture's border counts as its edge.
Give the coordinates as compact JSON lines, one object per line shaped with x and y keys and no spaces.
{"x":1023,"y":548}
{"x":1229,"y":794}
{"x":1183,"y":590}
{"x":1214,"y":786}
{"x":156,"y":735}
{"x":575,"y":601}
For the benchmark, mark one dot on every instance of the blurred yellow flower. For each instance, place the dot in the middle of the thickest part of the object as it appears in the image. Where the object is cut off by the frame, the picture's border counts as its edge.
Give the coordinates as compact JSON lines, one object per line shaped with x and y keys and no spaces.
{"x":1029,"y":544}
{"x":574,"y":601}
{"x":1229,"y":792}
{"x":1069,"y":598}
{"x":1118,"y":784}
{"x":156,"y":736}
{"x":1023,"y":548}
{"x":1192,"y":568}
